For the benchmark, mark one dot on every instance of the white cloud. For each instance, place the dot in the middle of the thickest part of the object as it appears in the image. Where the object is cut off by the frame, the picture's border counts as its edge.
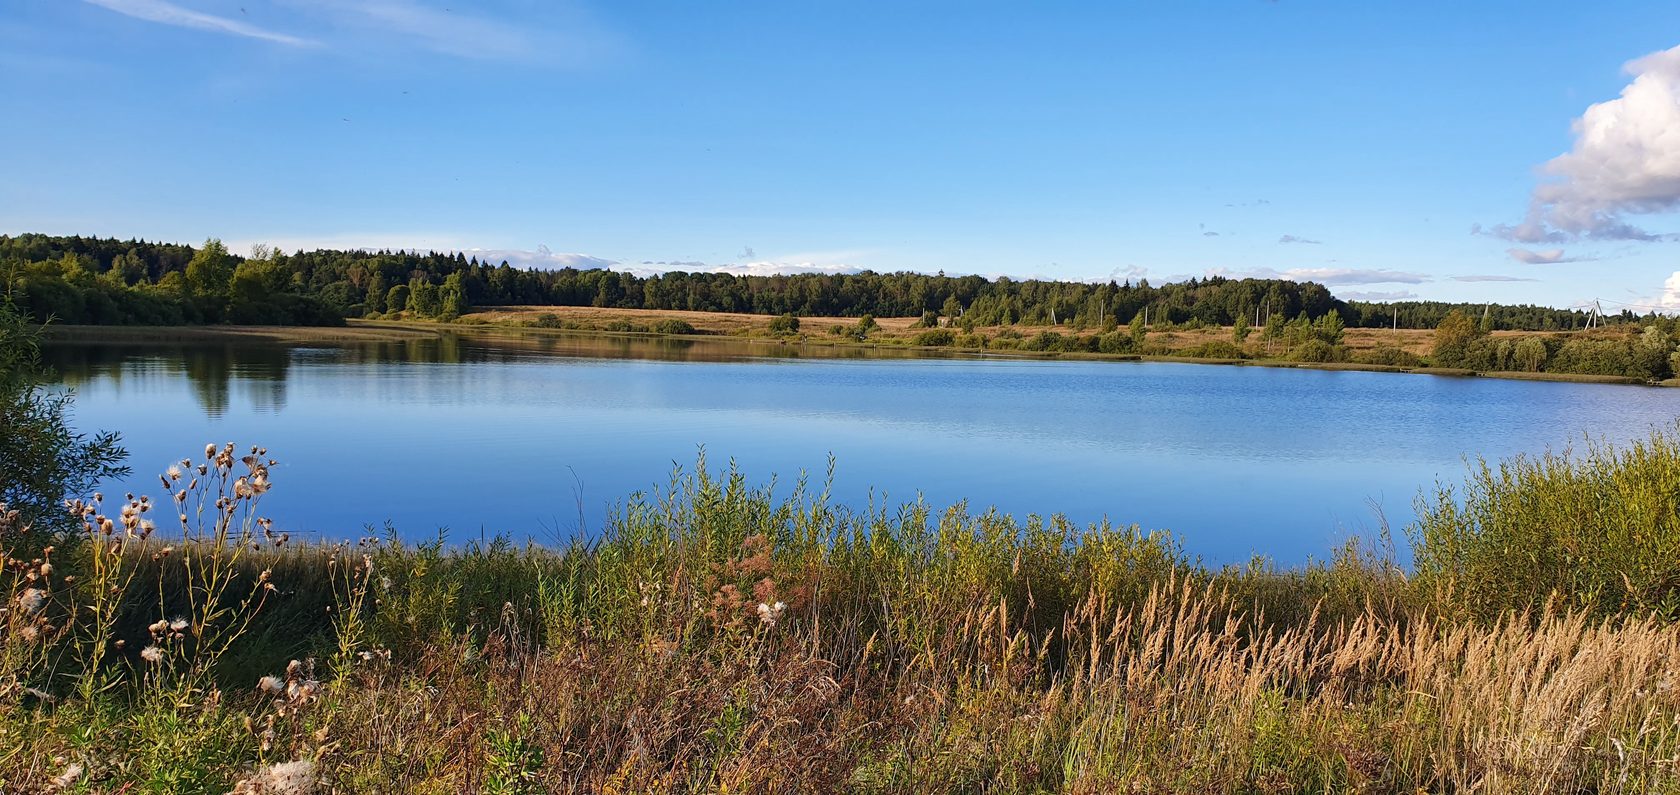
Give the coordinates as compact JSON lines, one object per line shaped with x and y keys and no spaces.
{"x":1547,"y":257}
{"x":558,"y":33}
{"x":1354,"y":276}
{"x":1489,"y":277}
{"x":168,"y":13}
{"x":1295,"y":239}
{"x":1401,"y":295}
{"x":540,"y":259}
{"x":1625,"y":161}
{"x":1670,"y":300}
{"x":1326,"y":276}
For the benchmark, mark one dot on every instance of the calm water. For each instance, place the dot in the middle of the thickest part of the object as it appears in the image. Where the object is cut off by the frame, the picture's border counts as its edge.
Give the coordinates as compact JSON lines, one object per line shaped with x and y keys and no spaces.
{"x":478,"y":436}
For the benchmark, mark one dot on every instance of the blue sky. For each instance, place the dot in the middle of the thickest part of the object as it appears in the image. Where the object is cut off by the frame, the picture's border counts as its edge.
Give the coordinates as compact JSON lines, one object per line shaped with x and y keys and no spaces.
{"x":1388,"y":149}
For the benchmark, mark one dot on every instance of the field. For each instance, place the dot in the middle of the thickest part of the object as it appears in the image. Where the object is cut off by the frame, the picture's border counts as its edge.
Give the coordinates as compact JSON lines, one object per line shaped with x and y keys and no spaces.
{"x":1414,"y":341}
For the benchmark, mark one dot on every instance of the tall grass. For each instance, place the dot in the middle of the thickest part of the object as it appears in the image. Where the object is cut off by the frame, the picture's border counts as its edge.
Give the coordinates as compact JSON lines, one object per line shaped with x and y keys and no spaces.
{"x":722,"y":636}
{"x":1599,"y":527}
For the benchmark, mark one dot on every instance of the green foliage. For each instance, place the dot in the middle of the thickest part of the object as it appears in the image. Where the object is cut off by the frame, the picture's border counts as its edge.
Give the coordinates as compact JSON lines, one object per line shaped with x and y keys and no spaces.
{"x":929,"y":319}
{"x":1214,"y":349}
{"x":866,"y":325}
{"x":1599,"y":529}
{"x":720,"y":636}
{"x":784,"y":324}
{"x":1241,"y":329}
{"x":42,"y":459}
{"x":672,"y":325}
{"x":1627,"y":356}
{"x":1388,"y":357}
{"x":935,"y":338}
{"x":1454,"y":338}
{"x":1529,"y":354}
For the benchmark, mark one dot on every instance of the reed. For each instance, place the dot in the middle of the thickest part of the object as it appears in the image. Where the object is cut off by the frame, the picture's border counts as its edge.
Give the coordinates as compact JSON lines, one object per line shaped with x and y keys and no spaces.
{"x":726,"y":636}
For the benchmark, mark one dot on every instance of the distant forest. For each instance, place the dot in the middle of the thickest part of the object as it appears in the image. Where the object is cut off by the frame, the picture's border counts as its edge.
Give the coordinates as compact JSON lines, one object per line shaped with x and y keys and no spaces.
{"x":84,"y":280}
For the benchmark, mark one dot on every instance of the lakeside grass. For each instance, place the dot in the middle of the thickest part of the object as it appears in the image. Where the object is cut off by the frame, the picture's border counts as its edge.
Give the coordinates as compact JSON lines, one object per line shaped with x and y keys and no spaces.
{"x":725,"y":636}
{"x":754,"y":343}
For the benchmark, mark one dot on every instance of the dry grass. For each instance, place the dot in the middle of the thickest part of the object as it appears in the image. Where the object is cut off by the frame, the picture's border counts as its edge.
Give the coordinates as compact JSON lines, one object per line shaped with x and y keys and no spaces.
{"x":719,"y":639}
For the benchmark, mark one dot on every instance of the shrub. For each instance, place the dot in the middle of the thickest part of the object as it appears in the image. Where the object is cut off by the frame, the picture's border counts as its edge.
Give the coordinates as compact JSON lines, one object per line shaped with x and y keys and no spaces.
{"x":935,"y":338}
{"x":784,"y":324}
{"x":1316,"y":350}
{"x":1388,"y":356}
{"x":547,"y":320}
{"x":1215,"y":349}
{"x":1116,"y":342}
{"x":1600,"y":529}
{"x":672,"y":325}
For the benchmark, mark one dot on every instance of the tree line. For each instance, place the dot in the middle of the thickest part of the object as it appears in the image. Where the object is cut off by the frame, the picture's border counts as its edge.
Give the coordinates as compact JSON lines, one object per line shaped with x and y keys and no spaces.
{"x":89,"y":280}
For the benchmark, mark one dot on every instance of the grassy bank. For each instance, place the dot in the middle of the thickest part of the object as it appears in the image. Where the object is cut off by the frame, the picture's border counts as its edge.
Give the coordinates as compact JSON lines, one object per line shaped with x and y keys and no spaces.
{"x":720,"y":636}
{"x":754,"y":343}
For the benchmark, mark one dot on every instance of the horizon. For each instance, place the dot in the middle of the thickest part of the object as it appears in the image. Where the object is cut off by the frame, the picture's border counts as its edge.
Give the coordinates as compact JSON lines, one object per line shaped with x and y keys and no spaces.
{"x":1507,"y":153}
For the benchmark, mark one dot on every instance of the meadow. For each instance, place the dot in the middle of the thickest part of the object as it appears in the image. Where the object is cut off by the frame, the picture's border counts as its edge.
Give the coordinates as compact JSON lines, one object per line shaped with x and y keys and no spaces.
{"x":726,"y":636}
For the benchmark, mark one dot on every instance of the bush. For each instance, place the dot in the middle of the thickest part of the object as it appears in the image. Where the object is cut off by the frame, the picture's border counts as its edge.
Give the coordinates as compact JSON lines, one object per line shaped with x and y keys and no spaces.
{"x":672,"y":325}
{"x":1391,"y":357}
{"x":1600,"y":529}
{"x":1116,"y":342}
{"x":546,"y":320}
{"x":785,"y":324}
{"x":935,"y":338}
{"x":43,"y":459}
{"x":1605,"y":356}
{"x":1316,"y":350}
{"x":623,"y":325}
{"x":1216,"y":349}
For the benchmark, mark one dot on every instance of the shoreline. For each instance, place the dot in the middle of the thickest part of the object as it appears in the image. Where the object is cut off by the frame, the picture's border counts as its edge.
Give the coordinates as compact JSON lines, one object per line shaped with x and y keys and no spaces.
{"x":358,"y":330}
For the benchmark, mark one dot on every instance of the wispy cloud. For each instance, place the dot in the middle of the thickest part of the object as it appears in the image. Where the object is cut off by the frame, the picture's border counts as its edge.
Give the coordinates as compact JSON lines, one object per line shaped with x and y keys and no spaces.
{"x":547,"y":33}
{"x":1625,"y":161}
{"x":167,"y":13}
{"x":1401,"y":295}
{"x":1552,"y":256}
{"x":542,"y":258}
{"x":1327,"y":276}
{"x":1294,"y":239}
{"x":558,"y":34}
{"x":1491,"y":277}
{"x":1355,"y":276}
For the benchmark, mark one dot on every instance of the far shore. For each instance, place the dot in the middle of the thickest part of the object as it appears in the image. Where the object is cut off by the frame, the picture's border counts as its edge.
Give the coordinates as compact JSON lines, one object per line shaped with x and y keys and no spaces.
{"x":358,"y":330}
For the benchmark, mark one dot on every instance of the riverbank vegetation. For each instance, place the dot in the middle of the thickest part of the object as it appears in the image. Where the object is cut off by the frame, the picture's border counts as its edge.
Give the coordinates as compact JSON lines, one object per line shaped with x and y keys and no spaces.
{"x":718,"y":635}
{"x":108,"y":282}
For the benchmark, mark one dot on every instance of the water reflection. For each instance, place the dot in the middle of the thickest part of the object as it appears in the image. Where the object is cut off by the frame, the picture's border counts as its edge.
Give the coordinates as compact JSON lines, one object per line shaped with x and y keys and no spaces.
{"x":259,"y":367}
{"x":487,"y":432}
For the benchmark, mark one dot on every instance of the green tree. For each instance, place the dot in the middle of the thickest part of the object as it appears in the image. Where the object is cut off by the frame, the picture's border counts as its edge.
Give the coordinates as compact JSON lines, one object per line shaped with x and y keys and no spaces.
{"x":451,"y":298}
{"x":784,"y":324}
{"x":42,"y":460}
{"x":377,"y":292}
{"x":396,"y":299}
{"x":1138,"y":330}
{"x":1240,"y":330}
{"x":1530,"y":354}
{"x":865,"y":326}
{"x":1330,"y":328}
{"x":1453,"y":338}
{"x":209,"y":275}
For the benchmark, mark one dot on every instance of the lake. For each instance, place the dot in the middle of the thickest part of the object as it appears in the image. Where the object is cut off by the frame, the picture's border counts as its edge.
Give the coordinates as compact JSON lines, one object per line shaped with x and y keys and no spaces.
{"x":538,"y":437}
